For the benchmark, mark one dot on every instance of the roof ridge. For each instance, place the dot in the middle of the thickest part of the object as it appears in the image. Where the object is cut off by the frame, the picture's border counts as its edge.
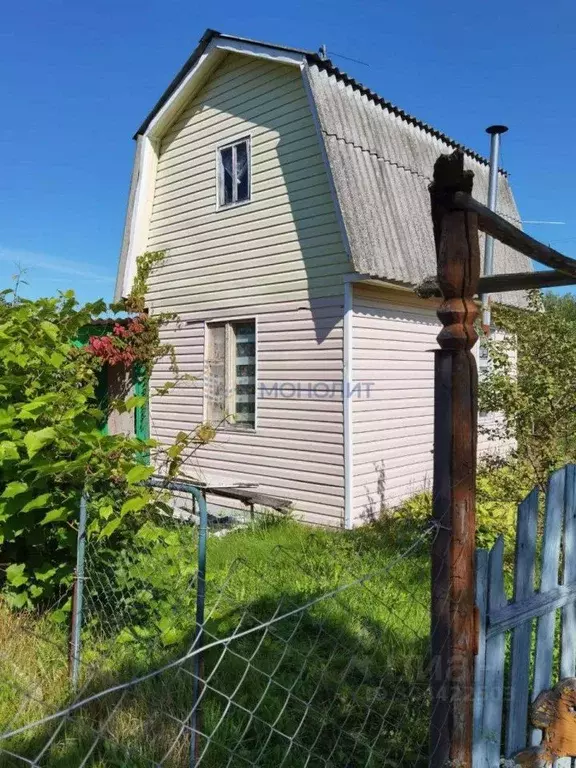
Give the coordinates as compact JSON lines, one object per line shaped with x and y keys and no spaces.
{"x":324,"y":64}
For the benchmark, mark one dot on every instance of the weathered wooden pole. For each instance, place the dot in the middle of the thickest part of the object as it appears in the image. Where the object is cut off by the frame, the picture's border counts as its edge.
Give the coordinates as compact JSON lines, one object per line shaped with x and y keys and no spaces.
{"x":454,"y":503}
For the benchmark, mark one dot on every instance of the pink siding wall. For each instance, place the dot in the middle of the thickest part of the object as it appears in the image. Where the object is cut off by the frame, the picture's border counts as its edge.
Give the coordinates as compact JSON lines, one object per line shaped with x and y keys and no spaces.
{"x":296,"y":451}
{"x":394,"y":338}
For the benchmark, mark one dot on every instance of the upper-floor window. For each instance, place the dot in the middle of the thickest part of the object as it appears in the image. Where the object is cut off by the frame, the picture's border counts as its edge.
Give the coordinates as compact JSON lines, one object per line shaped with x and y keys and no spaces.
{"x":234,"y":173}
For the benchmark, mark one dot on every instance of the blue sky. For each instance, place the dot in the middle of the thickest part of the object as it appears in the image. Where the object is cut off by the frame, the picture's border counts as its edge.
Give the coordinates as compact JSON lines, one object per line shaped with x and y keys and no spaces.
{"x":77,"y":78}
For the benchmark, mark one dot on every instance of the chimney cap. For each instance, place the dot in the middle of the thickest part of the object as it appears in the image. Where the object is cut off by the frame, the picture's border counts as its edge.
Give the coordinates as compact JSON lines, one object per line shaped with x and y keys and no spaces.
{"x":492,"y":129}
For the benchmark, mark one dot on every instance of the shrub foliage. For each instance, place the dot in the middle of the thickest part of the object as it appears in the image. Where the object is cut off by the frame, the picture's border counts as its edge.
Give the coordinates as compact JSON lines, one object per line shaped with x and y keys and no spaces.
{"x":531,"y":381}
{"x":51,"y":445}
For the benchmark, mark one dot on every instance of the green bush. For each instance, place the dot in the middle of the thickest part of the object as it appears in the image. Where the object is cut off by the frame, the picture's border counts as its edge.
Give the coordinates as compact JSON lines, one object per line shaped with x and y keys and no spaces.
{"x":499,"y":490}
{"x":531,"y":381}
{"x":51,"y":445}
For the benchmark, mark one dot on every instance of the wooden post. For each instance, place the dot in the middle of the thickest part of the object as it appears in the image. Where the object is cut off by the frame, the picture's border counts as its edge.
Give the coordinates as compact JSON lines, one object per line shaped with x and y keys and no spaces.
{"x":454,"y":503}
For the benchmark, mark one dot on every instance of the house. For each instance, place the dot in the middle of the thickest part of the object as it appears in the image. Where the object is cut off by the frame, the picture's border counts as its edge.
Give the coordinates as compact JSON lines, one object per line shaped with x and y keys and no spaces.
{"x":292,"y":204}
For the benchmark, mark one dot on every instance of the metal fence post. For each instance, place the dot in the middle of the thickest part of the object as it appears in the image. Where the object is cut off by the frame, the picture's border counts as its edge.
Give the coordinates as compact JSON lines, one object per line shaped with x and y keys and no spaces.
{"x":78,"y":598}
{"x":454,"y":503}
{"x":200,"y":603}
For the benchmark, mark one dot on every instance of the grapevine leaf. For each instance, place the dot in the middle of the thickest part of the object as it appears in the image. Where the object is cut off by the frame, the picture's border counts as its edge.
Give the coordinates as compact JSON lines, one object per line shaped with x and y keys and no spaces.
{"x":139,"y":473}
{"x":15,"y":574}
{"x":13,"y":489}
{"x":35,"y":441}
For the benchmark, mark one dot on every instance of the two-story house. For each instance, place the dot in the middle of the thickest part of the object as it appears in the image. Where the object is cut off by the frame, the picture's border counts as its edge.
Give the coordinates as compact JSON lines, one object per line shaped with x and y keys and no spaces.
{"x":292,"y":204}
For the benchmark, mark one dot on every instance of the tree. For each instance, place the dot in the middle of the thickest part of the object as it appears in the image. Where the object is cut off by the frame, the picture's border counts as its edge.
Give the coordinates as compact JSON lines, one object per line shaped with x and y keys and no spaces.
{"x":531,"y":380}
{"x":563,"y":305}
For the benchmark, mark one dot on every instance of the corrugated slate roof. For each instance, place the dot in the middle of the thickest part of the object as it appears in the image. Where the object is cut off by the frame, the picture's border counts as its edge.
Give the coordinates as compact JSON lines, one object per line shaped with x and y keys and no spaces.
{"x":382,"y":165}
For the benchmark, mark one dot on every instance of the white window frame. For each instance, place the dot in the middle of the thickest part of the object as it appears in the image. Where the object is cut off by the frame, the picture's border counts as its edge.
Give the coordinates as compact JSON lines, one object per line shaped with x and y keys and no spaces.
{"x":245,"y":138}
{"x":229,"y":426}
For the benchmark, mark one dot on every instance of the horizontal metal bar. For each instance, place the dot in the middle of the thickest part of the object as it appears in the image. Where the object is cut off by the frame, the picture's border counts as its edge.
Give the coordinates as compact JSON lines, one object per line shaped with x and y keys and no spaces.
{"x":501,"y":229}
{"x":171,"y":485}
{"x":537,"y":605}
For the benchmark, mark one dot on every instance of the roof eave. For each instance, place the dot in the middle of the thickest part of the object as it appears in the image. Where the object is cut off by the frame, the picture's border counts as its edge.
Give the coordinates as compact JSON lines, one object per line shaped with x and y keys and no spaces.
{"x":193,"y":59}
{"x":205,"y":41}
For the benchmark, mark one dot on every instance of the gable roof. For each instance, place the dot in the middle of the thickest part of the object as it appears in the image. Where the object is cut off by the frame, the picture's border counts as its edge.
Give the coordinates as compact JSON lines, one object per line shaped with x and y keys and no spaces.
{"x":311,"y":58}
{"x":380,"y":162}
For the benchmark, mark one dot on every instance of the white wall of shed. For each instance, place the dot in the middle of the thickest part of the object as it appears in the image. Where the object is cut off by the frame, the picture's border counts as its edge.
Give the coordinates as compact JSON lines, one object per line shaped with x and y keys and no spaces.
{"x":297,"y":450}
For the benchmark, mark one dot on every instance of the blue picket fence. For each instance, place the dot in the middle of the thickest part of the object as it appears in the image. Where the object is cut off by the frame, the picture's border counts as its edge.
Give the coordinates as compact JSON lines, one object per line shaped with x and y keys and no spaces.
{"x":520,"y":652}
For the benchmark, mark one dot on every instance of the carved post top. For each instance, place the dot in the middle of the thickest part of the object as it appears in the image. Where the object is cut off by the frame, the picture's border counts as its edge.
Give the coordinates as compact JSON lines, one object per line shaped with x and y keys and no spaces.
{"x":449,"y":177}
{"x":457,"y":252}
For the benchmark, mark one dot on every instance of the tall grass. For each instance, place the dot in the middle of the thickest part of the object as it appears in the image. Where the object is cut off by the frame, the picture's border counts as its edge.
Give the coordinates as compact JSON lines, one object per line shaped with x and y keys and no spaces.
{"x":342,"y":684}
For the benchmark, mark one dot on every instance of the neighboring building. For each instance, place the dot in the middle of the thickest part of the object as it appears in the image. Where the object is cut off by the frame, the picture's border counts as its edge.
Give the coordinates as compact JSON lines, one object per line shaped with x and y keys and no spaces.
{"x":116,"y":382}
{"x":293,"y":207}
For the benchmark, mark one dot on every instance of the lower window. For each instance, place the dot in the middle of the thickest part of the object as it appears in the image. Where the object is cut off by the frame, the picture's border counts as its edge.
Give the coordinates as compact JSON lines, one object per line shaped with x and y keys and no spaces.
{"x":230,"y":375}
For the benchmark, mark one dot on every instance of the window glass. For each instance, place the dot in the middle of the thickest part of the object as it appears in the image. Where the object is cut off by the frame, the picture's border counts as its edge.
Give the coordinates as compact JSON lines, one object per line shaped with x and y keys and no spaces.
{"x":245,"y":373}
{"x":242,"y":181}
{"x":227,"y":176}
{"x":234,"y":173}
{"x":215,"y":378}
{"x":230,"y":375}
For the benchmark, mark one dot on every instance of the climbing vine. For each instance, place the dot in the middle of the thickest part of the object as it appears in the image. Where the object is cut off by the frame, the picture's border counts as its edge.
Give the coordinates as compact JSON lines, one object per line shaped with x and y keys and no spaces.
{"x":135,"y":338}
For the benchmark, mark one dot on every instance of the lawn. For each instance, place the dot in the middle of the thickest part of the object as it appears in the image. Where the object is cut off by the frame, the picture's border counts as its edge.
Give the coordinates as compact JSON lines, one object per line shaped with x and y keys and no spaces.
{"x":342,"y":683}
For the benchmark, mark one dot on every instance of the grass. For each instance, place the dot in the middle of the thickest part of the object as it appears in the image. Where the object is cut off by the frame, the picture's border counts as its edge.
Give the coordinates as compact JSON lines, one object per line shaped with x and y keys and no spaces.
{"x":343,"y":683}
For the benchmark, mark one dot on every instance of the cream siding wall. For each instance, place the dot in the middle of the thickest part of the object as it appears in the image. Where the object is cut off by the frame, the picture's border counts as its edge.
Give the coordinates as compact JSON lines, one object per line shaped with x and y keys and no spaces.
{"x":283,"y":245}
{"x":394,"y":338}
{"x":278,"y":258}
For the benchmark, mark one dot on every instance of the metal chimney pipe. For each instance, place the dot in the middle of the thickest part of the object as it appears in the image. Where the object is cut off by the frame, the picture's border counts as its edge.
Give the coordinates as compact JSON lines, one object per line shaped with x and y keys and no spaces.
{"x":495,"y":131}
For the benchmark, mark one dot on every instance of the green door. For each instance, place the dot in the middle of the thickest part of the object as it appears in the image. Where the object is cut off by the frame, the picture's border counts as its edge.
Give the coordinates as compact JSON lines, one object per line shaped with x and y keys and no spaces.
{"x":141,"y":415}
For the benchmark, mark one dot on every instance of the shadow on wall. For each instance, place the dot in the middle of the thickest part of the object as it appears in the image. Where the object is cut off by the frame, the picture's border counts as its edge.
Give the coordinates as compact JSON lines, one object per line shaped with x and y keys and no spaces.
{"x":378,"y":504}
{"x":375,"y":501}
{"x":318,"y":231}
{"x":285,"y":111}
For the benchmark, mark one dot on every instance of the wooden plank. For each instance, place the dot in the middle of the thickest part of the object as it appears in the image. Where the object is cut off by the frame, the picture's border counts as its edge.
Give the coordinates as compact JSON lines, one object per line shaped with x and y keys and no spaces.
{"x":568,"y":651}
{"x":512,"y":615}
{"x":495,"y":647}
{"x":515,"y":281}
{"x":525,"y":561}
{"x":524,"y":281}
{"x":478,"y":757}
{"x":251,"y":497}
{"x":440,"y":567}
{"x":501,"y":229}
{"x":549,"y":580}
{"x":568,"y":636}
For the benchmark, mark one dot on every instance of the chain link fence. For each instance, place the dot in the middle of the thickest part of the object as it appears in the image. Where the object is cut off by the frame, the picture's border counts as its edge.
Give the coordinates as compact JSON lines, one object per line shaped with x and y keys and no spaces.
{"x":330,"y":669}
